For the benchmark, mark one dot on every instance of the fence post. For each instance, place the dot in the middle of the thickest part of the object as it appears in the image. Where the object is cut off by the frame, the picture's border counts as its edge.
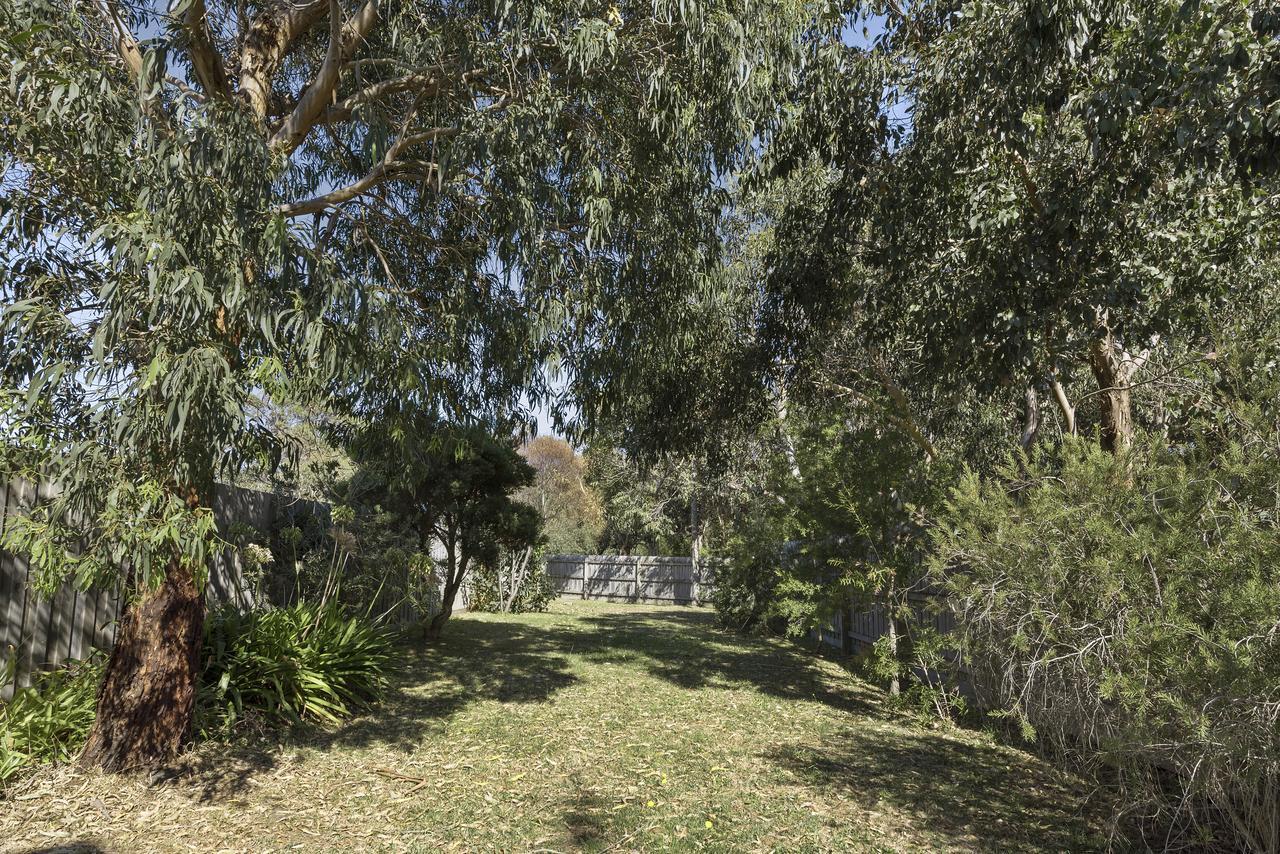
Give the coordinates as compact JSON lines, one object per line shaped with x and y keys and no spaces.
{"x":846,"y":629}
{"x":584,"y":576}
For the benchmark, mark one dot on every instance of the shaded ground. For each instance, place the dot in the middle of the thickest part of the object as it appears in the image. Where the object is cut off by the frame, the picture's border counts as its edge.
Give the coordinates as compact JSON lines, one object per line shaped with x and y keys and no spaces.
{"x":594,"y":727}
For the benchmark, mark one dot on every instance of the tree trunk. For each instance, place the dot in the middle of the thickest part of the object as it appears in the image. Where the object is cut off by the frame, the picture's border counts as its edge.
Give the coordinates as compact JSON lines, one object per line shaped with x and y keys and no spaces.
{"x":895,"y":686}
{"x":519,"y":575}
{"x":1031,"y":425}
{"x":452,"y":584}
{"x":695,"y":548}
{"x":436,"y":626}
{"x":1114,"y":375}
{"x":148,"y":693}
{"x":784,"y":435}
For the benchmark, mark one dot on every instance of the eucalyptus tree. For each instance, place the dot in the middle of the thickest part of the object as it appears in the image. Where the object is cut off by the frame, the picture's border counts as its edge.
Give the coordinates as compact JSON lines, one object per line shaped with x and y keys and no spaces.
{"x":1054,"y":197}
{"x":402,"y":206}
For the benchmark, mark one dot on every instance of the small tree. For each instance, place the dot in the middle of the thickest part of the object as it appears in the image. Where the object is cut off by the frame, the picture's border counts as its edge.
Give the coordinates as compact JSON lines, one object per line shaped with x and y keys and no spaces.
{"x":466,"y":495}
{"x":455,"y":486}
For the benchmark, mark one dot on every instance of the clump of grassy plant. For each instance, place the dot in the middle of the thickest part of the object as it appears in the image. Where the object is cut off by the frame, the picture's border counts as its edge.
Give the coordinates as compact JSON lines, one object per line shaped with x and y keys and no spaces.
{"x":285,"y":665}
{"x":48,"y":720}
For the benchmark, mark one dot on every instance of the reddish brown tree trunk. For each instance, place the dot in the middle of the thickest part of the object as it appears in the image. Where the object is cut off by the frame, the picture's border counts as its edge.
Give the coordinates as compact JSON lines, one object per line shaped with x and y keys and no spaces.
{"x":148,"y":693}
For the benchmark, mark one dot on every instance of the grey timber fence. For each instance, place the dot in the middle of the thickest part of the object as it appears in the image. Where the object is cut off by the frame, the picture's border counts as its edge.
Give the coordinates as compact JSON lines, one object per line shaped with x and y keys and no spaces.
{"x":633,"y":578}
{"x":42,"y":632}
{"x":857,"y":628}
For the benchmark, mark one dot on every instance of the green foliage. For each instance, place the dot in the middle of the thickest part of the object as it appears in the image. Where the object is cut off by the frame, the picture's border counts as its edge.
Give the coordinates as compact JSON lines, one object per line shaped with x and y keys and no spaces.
{"x":645,"y":507}
{"x":308,"y":661}
{"x":517,"y":584}
{"x":746,"y":590}
{"x":141,"y":524}
{"x":1123,"y":611}
{"x":990,"y":191}
{"x":842,"y":528}
{"x":49,"y":720}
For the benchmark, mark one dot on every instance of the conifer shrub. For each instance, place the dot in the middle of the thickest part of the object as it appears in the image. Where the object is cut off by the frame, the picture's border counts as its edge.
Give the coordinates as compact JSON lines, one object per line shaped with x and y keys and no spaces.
{"x":1124,"y":613}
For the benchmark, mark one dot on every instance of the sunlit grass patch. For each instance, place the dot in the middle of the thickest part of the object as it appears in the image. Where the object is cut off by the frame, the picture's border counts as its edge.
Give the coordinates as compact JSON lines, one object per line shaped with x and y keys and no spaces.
{"x":596,"y":727}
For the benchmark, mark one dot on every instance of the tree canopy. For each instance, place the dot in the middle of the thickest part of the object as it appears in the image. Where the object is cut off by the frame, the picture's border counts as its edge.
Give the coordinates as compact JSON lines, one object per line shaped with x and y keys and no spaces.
{"x":395,"y":208}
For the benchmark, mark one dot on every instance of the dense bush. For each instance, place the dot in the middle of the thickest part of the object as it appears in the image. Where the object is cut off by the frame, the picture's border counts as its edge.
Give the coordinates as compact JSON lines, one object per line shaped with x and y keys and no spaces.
{"x":748,"y":580}
{"x":1125,"y":611}
{"x":49,"y":720}
{"x":305,"y":661}
{"x":516,"y":583}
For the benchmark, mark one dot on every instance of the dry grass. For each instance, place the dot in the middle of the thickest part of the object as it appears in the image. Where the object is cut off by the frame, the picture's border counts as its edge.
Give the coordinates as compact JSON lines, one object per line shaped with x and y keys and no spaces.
{"x":593,"y":727}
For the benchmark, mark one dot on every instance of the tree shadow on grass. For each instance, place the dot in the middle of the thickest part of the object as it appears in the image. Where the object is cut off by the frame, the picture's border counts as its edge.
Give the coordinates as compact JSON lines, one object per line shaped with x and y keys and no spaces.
{"x":964,"y":795}
{"x":475,"y":661}
{"x":687,"y":648}
{"x":585,"y":819}
{"x":217,"y":777}
{"x":523,"y":661}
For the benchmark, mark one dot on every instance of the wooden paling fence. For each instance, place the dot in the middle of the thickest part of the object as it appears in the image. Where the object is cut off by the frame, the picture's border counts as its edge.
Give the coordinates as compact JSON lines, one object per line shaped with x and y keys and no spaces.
{"x":40,"y":632}
{"x":856,"y":628}
{"x":633,"y":578}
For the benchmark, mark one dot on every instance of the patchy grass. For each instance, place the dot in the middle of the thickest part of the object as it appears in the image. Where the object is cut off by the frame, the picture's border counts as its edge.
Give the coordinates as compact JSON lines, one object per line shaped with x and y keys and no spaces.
{"x":593,"y":727}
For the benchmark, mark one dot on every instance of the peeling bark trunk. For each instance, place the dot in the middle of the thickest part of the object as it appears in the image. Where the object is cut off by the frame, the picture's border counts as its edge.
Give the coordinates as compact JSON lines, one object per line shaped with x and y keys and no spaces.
{"x":695,"y":548}
{"x":1064,"y":406}
{"x":1114,"y":375}
{"x":895,"y":685}
{"x":148,"y":693}
{"x":784,"y":435}
{"x":1031,"y":426}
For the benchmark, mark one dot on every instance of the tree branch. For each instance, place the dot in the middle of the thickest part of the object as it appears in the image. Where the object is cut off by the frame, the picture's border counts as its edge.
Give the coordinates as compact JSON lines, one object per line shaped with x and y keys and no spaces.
{"x":318,"y":95}
{"x":906,"y":424}
{"x":1024,"y":172}
{"x":1064,"y":405}
{"x":205,"y":59}
{"x":125,"y":43}
{"x":908,"y":420}
{"x":387,"y":170}
{"x":268,"y":39}
{"x":419,"y":81}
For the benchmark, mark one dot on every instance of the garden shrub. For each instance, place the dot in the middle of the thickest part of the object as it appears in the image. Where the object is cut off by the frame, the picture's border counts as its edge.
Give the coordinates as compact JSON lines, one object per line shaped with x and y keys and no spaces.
{"x":49,"y":720}
{"x":534,"y":590}
{"x":747,"y":579}
{"x":284,"y":665}
{"x":1125,"y":613}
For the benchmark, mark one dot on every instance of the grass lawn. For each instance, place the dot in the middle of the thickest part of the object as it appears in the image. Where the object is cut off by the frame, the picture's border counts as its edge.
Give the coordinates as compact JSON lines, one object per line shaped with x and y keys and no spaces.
{"x":593,"y":727}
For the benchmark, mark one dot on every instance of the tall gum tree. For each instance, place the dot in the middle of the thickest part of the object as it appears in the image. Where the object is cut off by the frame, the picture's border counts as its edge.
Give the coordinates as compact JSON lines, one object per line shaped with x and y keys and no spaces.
{"x":400,"y":206}
{"x":1058,"y":196}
